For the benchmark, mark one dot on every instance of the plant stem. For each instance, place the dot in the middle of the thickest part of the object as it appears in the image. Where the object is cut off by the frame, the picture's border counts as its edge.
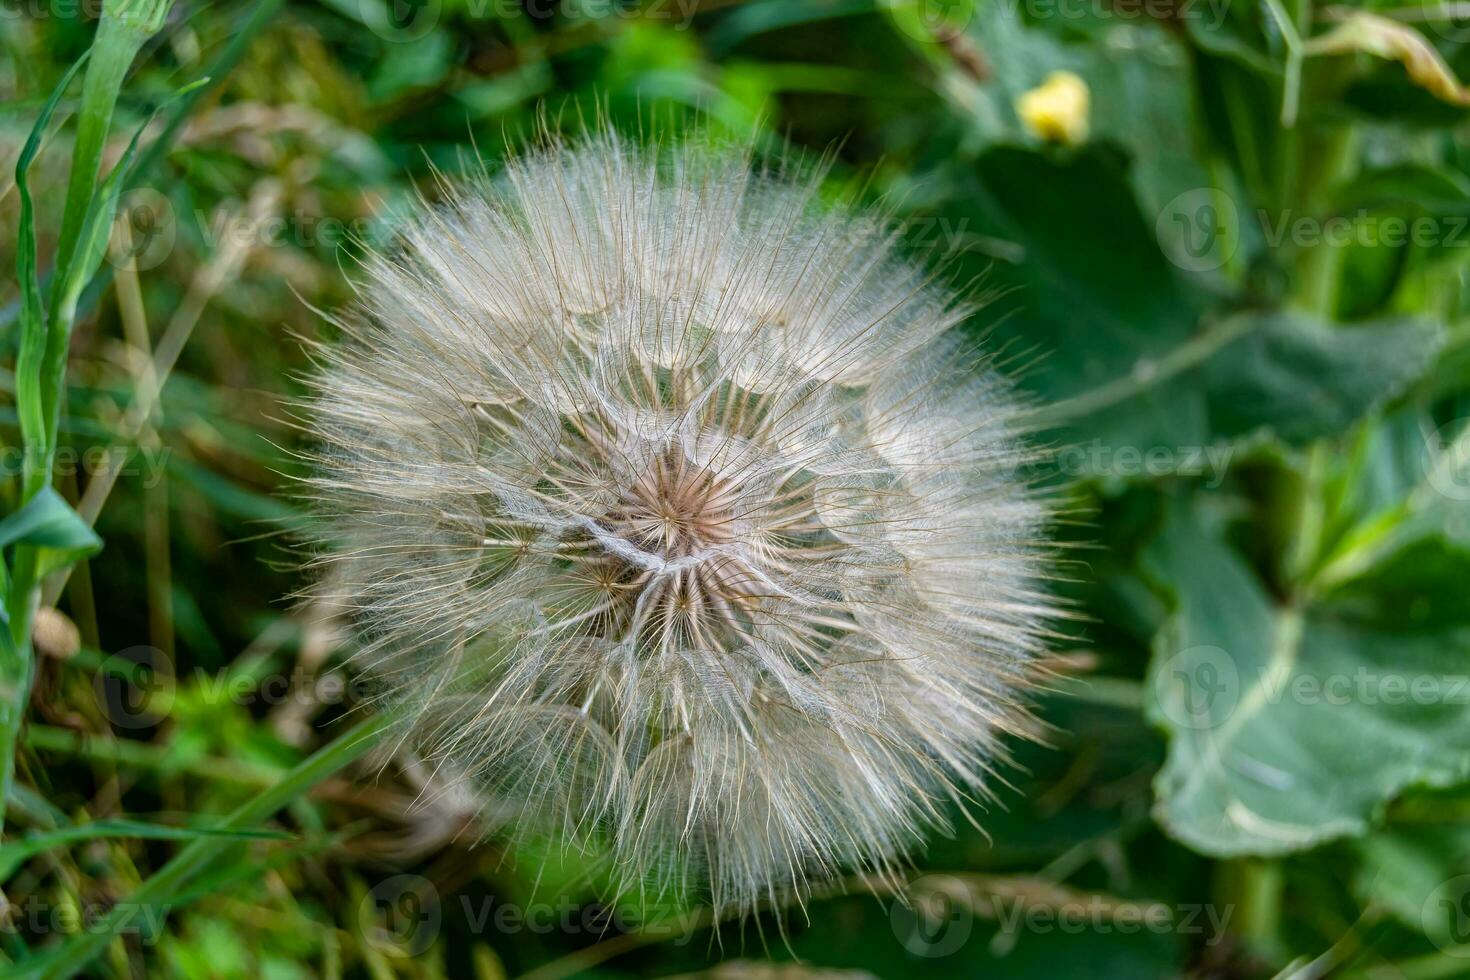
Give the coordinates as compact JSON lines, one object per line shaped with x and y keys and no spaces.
{"x":1253,"y":887}
{"x":124,"y":27}
{"x":1319,"y":268}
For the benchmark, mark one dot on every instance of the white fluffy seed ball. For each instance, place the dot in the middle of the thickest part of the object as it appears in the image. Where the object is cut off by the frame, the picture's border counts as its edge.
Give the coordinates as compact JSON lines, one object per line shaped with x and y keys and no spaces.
{"x":668,"y":504}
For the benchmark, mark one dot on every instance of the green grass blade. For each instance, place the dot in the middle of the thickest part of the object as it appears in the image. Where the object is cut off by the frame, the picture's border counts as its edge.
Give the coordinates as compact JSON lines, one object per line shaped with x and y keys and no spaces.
{"x":122,"y":31}
{"x":32,"y":316}
{"x":14,"y":853}
{"x":34,"y":807}
{"x":91,"y":248}
{"x":48,"y":521}
{"x":46,"y":334}
{"x":169,"y":885}
{"x":260,"y":15}
{"x":20,"y":580}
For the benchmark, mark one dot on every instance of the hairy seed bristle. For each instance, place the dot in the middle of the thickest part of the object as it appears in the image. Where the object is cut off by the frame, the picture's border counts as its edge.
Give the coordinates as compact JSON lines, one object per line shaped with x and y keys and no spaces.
{"x":669,"y":502}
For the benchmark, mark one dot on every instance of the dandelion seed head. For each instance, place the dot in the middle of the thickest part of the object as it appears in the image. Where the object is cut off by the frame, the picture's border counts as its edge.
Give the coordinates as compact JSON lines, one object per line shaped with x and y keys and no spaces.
{"x":670,"y":505}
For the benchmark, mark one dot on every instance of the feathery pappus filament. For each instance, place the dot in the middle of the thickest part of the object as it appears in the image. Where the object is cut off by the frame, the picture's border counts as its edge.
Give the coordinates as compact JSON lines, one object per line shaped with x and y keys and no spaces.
{"x":669,"y":502}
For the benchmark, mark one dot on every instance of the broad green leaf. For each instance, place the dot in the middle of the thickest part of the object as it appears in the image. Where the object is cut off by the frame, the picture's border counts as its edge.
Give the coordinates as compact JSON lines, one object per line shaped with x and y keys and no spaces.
{"x":1095,"y":294}
{"x":1436,"y":190}
{"x":1131,"y":357}
{"x":1289,"y":726}
{"x":1133,"y":72}
{"x":1405,"y":866}
{"x":1435,"y":507}
{"x":48,"y":521}
{"x":1301,"y":378}
{"x":1419,"y":585}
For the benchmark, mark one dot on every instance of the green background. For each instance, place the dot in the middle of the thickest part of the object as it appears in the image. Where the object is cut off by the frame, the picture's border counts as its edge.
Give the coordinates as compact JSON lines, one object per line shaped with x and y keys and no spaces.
{"x":1239,"y":307}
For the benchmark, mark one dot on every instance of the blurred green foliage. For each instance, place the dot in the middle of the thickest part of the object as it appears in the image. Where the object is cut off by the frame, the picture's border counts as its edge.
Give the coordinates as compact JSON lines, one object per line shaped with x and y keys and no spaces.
{"x":1239,"y":302}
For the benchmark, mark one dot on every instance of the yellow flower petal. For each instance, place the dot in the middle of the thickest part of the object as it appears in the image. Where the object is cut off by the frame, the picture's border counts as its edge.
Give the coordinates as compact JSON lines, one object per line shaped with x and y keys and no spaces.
{"x":1057,"y":109}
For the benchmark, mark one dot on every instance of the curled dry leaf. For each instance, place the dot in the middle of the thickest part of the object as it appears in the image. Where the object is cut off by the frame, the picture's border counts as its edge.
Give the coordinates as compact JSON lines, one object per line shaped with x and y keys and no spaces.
{"x":1385,"y":38}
